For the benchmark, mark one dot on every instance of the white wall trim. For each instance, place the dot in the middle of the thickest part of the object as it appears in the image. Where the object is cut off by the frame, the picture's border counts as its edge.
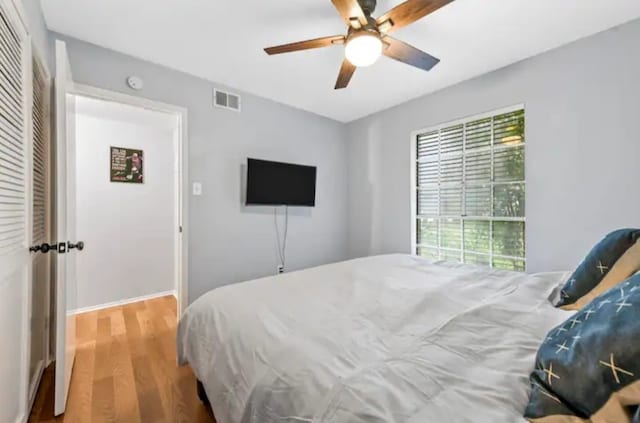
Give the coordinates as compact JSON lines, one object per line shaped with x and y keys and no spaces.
{"x":488,"y":113}
{"x":102,"y":94}
{"x":182,"y":247}
{"x":123,"y":302}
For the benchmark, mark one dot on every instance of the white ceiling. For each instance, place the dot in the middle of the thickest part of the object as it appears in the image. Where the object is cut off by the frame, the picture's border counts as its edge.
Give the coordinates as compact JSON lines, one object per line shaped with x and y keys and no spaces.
{"x":222,"y":41}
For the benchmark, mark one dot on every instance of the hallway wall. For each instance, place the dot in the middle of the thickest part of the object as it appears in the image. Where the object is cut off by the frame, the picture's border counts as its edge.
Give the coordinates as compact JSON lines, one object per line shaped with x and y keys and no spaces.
{"x":128,"y":229}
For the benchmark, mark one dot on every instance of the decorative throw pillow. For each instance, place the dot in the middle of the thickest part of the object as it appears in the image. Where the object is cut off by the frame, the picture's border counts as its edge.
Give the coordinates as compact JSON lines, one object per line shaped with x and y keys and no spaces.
{"x":588,"y":368}
{"x":611,"y":261}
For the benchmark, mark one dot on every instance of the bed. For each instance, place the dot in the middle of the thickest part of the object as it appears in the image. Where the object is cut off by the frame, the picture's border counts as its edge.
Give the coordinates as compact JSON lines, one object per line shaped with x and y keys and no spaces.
{"x":392,"y":338}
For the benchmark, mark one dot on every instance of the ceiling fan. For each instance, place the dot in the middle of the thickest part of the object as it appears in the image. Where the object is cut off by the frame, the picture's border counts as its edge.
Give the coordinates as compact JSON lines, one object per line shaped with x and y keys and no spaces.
{"x":368,"y":38}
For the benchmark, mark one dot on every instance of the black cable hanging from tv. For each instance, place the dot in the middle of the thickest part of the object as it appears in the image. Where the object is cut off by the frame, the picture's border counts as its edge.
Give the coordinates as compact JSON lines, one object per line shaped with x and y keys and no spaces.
{"x":282,"y":246}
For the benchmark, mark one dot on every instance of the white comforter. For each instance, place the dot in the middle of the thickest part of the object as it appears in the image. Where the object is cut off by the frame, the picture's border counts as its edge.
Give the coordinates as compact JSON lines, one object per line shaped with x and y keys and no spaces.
{"x":380,"y":339}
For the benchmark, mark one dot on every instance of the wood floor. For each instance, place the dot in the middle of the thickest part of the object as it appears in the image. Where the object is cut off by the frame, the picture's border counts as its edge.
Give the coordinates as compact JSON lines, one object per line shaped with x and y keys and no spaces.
{"x":125,"y":370}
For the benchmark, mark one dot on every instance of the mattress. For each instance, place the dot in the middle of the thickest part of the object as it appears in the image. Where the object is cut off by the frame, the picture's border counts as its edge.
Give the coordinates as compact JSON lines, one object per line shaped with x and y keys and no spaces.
{"x":392,"y":338}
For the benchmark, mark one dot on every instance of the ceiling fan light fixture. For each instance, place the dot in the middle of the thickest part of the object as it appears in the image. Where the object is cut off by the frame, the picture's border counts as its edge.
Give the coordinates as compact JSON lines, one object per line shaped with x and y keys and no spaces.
{"x":368,"y":38}
{"x":363,"y":49}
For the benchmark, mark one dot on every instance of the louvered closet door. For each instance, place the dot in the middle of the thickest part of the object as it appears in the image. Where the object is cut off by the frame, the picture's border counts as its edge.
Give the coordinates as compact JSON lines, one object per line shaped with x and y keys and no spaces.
{"x":41,"y":263}
{"x":15,"y":213}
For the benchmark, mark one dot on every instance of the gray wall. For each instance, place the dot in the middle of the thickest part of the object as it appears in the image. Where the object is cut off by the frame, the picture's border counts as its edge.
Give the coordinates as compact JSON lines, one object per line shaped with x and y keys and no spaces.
{"x":582,"y":167}
{"x":114,"y":214}
{"x":228,"y":242}
{"x":37,"y":28}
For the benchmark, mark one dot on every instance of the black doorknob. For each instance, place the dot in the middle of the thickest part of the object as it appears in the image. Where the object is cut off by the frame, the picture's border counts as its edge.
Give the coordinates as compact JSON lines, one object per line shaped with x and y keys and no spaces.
{"x":44,"y":248}
{"x":78,"y":245}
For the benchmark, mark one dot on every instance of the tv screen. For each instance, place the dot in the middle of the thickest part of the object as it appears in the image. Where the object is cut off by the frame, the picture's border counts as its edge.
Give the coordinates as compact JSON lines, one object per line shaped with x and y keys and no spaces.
{"x":280,"y":184}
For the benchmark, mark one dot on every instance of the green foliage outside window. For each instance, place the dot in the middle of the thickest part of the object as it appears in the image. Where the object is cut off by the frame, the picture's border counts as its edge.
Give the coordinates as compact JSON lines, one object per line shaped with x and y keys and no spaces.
{"x":471,"y":195}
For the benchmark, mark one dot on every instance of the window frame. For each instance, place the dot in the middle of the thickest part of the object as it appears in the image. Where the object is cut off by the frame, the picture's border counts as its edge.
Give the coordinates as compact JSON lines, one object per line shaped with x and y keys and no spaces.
{"x":414,"y":185}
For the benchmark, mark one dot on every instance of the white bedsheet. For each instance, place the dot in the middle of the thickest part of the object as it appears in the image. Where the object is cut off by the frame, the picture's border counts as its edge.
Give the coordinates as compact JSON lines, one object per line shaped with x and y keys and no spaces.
{"x":381,"y":339}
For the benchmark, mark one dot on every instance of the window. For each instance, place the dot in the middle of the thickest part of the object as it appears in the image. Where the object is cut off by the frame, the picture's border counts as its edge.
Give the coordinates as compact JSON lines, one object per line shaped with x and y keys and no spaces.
{"x":471,"y":191}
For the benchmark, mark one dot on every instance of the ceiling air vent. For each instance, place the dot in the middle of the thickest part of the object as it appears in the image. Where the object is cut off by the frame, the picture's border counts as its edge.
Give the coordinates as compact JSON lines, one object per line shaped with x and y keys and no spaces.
{"x":226,"y":100}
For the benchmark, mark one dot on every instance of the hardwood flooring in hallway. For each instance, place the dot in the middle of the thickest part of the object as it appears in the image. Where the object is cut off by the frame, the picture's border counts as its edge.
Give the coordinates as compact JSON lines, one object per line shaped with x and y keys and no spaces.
{"x":125,"y":370}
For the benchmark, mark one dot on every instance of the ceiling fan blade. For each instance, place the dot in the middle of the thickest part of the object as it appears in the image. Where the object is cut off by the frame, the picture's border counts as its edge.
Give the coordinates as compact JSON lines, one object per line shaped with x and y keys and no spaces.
{"x":351,"y":12}
{"x":346,"y":72}
{"x":407,"y":13}
{"x":306,"y":45}
{"x":408,"y":54}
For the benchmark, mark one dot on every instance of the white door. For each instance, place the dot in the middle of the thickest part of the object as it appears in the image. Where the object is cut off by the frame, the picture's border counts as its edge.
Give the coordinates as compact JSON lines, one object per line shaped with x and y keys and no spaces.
{"x":66,"y":286}
{"x":15,"y":213}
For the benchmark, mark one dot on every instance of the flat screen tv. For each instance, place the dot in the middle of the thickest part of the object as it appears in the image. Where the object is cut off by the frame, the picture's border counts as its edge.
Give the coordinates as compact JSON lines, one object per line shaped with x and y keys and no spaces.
{"x":280,"y":184}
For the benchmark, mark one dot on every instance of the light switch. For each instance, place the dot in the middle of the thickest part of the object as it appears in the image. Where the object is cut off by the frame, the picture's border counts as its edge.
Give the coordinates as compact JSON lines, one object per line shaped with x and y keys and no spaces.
{"x":197,"y":188}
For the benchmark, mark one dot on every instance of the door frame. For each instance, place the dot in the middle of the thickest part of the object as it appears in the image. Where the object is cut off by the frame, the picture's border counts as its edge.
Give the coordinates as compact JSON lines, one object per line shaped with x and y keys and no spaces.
{"x":181,"y":152}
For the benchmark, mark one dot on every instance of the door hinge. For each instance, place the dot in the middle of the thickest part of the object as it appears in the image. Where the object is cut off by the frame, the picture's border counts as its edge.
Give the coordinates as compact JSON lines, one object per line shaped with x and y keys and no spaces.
{"x":180,"y":229}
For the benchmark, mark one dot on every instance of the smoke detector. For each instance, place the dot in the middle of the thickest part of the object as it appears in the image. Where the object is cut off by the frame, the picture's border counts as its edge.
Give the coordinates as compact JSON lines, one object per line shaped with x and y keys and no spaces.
{"x":135,"y":83}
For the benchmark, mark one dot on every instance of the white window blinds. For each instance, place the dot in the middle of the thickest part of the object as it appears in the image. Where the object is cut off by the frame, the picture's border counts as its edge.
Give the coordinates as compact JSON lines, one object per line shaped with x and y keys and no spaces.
{"x":471,"y":191}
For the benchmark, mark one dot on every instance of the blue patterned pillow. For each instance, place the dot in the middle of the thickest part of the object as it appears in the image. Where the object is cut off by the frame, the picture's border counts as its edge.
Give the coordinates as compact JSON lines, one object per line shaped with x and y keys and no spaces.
{"x":589,"y":367}
{"x":611,"y":261}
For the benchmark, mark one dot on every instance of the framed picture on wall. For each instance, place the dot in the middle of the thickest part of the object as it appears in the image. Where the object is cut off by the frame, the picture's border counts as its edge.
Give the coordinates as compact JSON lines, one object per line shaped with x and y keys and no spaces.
{"x":127,"y":165}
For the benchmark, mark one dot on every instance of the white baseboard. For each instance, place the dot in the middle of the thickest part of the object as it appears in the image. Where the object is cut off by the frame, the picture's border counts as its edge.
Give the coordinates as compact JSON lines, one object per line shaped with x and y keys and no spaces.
{"x":124,"y":302}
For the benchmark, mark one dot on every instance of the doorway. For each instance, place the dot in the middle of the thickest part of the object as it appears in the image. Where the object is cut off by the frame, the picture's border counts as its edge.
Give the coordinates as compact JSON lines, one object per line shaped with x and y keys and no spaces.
{"x":128,"y":208}
{"x":140,"y":217}
{"x":69,"y":215}
{"x":93,"y":122}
